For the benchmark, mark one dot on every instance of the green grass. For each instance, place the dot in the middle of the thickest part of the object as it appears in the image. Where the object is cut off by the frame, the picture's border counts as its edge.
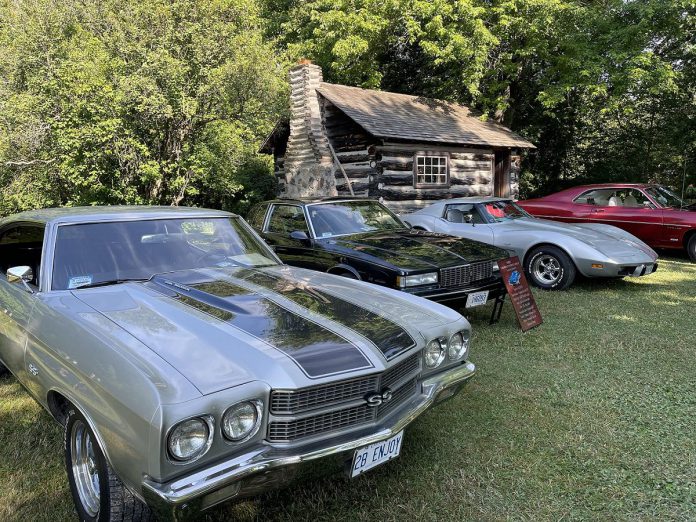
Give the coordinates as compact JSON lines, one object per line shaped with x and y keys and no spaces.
{"x":591,"y":416}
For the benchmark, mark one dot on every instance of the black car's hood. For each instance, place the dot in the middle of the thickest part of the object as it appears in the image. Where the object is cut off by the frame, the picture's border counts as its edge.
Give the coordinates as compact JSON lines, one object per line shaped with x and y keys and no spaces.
{"x":411,"y":250}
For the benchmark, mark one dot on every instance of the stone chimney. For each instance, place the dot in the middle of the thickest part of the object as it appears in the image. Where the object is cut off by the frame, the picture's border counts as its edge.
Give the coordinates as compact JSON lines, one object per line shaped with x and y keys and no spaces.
{"x":309,"y":166}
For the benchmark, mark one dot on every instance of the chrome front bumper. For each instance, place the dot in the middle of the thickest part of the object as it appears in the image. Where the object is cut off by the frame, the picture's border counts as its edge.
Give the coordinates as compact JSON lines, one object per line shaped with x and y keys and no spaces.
{"x":184,"y":497}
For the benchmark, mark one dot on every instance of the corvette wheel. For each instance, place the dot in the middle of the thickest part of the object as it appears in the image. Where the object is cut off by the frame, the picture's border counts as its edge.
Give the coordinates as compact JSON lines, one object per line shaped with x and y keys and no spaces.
{"x":691,"y":247}
{"x":550,"y":268}
{"x":98,"y":494}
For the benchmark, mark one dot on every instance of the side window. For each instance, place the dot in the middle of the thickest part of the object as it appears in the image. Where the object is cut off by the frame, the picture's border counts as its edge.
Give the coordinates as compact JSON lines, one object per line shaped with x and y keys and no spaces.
{"x":21,"y":246}
{"x":431,"y":170}
{"x":463,"y":213}
{"x":256,"y":215}
{"x":598,"y":197}
{"x":633,"y":198}
{"x":286,"y":219}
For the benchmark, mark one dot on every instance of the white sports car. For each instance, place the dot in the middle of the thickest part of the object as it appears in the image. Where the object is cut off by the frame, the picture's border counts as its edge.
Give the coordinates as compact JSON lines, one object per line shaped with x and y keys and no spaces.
{"x":552,"y":253}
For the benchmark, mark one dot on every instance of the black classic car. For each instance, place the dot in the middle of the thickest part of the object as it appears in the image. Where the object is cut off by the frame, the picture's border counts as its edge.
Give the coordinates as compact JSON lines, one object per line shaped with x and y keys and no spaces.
{"x":362,"y":239}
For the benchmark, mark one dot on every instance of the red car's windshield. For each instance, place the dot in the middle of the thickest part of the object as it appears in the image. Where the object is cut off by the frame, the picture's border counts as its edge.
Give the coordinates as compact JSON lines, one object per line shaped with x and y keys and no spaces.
{"x":665,"y":197}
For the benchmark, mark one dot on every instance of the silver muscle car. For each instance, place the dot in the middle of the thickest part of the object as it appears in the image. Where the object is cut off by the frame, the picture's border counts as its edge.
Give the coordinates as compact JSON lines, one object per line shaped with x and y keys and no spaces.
{"x":552,"y":253}
{"x":190,"y":367}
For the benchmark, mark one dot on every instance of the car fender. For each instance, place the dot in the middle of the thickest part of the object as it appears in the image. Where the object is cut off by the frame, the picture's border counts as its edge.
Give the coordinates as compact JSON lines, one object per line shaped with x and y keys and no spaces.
{"x":575,"y":249}
{"x":344,"y":267}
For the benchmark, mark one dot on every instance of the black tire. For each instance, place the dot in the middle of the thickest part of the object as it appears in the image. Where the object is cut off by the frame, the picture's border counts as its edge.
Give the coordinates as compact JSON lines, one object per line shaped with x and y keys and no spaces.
{"x":3,"y":370}
{"x":691,"y":247}
{"x":550,"y":268}
{"x":346,"y":274}
{"x":115,"y":502}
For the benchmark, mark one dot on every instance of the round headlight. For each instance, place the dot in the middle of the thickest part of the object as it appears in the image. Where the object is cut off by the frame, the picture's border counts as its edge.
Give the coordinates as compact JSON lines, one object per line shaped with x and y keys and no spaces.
{"x":242,"y":421}
{"x":434,"y":354}
{"x":189,"y":439}
{"x":456,"y":347}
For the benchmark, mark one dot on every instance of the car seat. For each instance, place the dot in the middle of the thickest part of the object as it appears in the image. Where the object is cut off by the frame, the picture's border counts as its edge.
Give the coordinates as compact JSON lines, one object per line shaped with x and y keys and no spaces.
{"x":455,"y":216}
{"x":615,"y":201}
{"x":630,"y":201}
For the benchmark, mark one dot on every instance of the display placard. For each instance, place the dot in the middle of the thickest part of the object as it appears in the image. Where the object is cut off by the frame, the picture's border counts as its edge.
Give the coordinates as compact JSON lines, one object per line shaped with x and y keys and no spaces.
{"x":521,"y":296}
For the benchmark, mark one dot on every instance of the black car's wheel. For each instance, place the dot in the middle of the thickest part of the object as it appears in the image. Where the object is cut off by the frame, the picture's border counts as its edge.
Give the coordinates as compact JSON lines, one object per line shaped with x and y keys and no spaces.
{"x":3,"y":370}
{"x":550,"y":268}
{"x":691,"y":247}
{"x":345,"y":273}
{"x":98,"y":494}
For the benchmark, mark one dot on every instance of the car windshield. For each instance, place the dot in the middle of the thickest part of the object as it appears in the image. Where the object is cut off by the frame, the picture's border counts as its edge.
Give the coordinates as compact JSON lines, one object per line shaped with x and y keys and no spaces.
{"x":96,"y":254}
{"x":352,"y":217}
{"x":504,"y":210}
{"x":665,"y":197}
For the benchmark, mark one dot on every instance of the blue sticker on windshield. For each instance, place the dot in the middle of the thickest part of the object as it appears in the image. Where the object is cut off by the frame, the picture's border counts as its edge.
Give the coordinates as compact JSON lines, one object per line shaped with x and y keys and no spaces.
{"x":78,"y":281}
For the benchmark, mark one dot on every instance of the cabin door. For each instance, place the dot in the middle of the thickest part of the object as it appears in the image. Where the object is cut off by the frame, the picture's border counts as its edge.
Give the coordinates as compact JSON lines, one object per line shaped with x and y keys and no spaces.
{"x":501,"y":178}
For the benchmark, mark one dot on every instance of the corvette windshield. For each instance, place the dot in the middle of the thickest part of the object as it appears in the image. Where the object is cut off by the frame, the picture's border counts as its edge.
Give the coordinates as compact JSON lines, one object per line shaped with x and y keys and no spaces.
{"x":352,"y":217}
{"x":504,"y":210}
{"x":98,"y":254}
{"x":665,"y":197}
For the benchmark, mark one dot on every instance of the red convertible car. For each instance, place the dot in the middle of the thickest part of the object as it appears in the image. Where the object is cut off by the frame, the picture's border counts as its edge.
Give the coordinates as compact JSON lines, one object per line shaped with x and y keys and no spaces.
{"x":652,"y":213}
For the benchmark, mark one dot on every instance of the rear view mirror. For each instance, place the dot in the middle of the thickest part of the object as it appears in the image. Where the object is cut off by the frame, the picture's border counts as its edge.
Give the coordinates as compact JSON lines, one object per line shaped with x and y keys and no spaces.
{"x":299,"y":235}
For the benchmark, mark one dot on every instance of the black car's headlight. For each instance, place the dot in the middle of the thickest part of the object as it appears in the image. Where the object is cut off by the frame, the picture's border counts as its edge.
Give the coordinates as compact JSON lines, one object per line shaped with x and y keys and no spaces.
{"x":496,"y":267}
{"x":458,"y":347}
{"x":430,"y":278}
{"x":241,"y":421}
{"x":190,"y":439}
{"x":434,"y":354}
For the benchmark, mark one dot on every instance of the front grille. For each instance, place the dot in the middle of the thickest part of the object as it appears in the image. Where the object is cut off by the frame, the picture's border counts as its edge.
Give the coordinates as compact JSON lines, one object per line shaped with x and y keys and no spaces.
{"x":289,"y":402}
{"x":464,"y":275}
{"x":401,"y":379}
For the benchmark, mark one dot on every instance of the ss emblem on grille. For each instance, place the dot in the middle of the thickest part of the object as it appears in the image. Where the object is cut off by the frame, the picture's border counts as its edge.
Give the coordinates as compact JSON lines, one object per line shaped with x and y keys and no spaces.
{"x":376,"y":398}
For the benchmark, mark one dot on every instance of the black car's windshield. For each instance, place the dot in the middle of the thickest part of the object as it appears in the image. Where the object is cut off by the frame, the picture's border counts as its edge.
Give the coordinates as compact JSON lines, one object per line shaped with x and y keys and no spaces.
{"x":96,"y":254}
{"x":503,"y":210}
{"x":665,"y":197}
{"x":352,"y":217}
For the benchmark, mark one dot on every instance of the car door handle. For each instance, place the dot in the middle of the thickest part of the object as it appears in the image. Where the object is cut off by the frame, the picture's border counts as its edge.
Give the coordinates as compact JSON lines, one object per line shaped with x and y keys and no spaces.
{"x":597,"y":210}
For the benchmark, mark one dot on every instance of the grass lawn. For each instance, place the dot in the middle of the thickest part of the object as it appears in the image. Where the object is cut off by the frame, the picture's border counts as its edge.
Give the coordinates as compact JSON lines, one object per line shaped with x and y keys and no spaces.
{"x":592,"y":416}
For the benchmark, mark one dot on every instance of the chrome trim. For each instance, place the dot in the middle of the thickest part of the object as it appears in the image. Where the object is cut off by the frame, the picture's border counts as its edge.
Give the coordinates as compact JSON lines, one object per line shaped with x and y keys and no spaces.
{"x":189,"y":490}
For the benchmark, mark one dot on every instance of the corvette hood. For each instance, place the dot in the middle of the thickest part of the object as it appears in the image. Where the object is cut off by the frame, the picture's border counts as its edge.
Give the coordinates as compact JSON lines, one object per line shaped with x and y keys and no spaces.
{"x":282,"y":325}
{"x":414,"y":250}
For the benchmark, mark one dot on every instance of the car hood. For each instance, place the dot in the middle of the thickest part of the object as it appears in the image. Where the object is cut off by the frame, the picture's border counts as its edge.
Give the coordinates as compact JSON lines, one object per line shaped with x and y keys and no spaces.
{"x":411,"y":250}
{"x":607,"y":239}
{"x":282,"y":325}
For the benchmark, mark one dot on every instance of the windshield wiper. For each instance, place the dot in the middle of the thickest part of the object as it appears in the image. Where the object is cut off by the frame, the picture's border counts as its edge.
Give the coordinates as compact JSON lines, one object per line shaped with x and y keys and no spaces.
{"x":112,"y":282}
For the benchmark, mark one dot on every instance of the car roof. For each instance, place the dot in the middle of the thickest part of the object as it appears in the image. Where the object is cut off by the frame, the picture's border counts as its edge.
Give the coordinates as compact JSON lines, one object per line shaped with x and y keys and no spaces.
{"x":311,"y":201}
{"x":109,"y":213}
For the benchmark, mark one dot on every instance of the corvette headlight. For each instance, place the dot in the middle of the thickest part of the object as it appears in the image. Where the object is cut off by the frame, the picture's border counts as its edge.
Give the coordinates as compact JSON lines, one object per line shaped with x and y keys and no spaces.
{"x":458,"y":347}
{"x":190,"y":439}
{"x":434,"y":354}
{"x":241,"y":421}
{"x":417,"y":280}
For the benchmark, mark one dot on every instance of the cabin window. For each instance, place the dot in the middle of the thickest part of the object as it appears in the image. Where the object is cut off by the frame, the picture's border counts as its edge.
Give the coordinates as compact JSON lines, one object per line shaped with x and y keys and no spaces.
{"x":431,"y":170}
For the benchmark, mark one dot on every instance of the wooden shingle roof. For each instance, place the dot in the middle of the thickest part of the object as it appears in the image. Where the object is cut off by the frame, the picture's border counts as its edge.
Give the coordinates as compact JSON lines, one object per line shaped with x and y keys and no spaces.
{"x":400,"y":116}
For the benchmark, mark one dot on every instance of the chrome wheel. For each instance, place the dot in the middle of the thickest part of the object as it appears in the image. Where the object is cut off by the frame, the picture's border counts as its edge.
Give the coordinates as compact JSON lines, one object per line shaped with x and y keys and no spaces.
{"x":85,"y":467}
{"x":547,"y":269}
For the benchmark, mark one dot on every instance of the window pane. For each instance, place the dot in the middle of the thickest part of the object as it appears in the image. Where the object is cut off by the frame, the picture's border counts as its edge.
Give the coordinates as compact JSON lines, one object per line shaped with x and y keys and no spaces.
{"x":286,"y":219}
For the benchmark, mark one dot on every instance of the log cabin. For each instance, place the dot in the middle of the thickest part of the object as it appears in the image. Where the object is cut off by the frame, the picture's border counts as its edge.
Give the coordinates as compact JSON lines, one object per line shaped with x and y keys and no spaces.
{"x":405,"y":150}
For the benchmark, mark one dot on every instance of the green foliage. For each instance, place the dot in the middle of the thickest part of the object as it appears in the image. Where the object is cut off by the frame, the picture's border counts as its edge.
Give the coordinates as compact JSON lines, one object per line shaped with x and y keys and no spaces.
{"x":125,"y":101}
{"x":605,"y":89}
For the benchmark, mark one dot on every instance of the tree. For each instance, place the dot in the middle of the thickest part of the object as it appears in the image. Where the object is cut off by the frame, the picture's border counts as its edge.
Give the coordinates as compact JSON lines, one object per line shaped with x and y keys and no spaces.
{"x":125,"y":101}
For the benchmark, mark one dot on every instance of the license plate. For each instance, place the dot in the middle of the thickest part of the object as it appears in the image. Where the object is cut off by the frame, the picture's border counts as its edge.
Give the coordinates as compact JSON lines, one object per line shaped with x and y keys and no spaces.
{"x":375,"y":454}
{"x":477,"y":299}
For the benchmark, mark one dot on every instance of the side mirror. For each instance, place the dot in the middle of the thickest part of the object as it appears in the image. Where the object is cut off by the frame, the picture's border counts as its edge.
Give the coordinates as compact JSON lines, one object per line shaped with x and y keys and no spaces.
{"x":299,"y":235}
{"x":20,"y":274}
{"x":468,"y":218}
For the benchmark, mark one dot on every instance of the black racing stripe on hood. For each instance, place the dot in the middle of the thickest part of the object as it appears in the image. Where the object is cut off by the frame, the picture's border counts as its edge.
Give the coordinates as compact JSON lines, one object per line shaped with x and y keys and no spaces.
{"x":389,"y":337}
{"x":318,"y":352}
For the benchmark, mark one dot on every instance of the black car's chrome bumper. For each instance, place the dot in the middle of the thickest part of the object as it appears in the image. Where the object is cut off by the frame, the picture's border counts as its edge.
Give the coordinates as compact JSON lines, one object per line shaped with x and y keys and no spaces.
{"x":495,"y":289}
{"x":254,"y":471}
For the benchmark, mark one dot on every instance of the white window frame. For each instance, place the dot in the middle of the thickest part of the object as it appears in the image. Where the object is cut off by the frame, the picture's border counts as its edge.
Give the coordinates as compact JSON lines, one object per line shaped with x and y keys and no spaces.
{"x":440,"y":171}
